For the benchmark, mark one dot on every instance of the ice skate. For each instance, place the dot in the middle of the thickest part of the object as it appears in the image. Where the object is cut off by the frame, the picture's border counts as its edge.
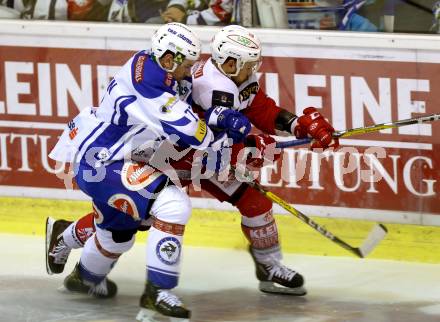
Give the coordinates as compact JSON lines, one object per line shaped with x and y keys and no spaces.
{"x":75,"y":283}
{"x":56,"y":250}
{"x":161,"y":305}
{"x":279,"y":279}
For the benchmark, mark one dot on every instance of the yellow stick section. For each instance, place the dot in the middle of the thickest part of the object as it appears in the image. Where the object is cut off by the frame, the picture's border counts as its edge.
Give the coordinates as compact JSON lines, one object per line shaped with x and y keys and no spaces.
{"x":210,"y":228}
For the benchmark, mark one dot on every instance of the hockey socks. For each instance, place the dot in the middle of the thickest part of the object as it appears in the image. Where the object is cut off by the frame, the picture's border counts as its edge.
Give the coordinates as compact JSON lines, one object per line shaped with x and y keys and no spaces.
{"x":163,"y":253}
{"x":79,"y":231}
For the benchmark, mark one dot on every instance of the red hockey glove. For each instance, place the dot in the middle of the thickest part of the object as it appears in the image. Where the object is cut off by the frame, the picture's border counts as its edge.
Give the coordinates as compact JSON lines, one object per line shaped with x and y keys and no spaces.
{"x":264,"y":150}
{"x":313,"y":124}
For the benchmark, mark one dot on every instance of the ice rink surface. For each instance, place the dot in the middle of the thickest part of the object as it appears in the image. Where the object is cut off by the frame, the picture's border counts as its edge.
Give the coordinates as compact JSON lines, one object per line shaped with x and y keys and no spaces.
{"x":219,"y":285}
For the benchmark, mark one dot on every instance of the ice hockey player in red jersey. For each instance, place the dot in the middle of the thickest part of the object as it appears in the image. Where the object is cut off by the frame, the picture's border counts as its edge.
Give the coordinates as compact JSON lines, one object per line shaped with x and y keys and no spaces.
{"x":228,"y":80}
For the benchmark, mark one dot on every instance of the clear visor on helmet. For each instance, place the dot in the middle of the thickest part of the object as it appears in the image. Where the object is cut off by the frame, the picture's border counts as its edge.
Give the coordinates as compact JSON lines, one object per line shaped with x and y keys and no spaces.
{"x":187,"y":65}
{"x":254,"y":66}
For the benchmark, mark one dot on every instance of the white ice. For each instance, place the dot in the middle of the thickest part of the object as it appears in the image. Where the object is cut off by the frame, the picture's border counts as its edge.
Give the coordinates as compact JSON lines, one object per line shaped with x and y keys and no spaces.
{"x":220,"y":285}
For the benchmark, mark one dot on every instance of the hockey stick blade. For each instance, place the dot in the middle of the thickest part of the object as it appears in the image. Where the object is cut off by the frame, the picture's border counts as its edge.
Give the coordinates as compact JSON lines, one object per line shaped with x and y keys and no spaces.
{"x":377,"y":234}
{"x":373,"y":239}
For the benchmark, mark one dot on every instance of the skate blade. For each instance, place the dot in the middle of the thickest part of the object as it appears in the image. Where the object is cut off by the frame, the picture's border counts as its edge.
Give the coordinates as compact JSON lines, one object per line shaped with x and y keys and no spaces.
{"x":146,"y":315}
{"x":270,"y":287}
{"x":49,"y":227}
{"x":63,"y":289}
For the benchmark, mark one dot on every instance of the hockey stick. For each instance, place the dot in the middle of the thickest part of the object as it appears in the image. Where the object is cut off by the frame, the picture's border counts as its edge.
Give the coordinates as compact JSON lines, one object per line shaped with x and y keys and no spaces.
{"x":375,"y":236}
{"x":364,"y":130}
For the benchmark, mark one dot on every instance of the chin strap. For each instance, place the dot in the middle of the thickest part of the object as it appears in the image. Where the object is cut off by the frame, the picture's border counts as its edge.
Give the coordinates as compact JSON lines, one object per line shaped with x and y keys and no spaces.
{"x":160,"y":65}
{"x":168,"y":70}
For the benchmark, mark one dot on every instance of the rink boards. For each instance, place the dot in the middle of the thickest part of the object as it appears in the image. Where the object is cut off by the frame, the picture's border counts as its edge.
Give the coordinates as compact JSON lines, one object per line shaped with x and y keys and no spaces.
{"x":50,"y":70}
{"x":222,"y":229}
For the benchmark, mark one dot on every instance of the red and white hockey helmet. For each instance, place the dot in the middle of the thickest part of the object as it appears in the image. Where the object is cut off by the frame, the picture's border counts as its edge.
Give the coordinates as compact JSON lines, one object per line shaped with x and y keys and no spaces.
{"x":178,"y":39}
{"x":236,"y":42}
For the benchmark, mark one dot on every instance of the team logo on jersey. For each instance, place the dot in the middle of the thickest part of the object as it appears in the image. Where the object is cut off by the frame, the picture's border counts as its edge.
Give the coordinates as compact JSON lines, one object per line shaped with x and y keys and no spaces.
{"x":168,"y":250}
{"x":73,"y":129}
{"x":103,"y":154}
{"x":124,"y":204}
{"x":137,"y":175}
{"x":224,"y":99}
{"x":244,"y":41}
{"x":246,"y":92}
{"x":166,"y":108}
{"x":199,"y":69}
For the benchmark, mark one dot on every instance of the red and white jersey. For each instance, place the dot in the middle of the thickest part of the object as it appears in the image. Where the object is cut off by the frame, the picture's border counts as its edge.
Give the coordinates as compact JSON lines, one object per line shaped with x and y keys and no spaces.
{"x":212,"y":88}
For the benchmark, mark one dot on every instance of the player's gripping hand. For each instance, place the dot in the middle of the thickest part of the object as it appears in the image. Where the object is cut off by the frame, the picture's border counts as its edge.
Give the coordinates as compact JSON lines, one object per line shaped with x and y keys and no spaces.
{"x":236,"y":125}
{"x":262,"y":149}
{"x":313,"y":124}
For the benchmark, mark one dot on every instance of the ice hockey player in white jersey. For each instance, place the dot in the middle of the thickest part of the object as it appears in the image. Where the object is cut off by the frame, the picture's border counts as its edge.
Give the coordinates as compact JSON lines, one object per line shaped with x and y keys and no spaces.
{"x":228,"y":81}
{"x":143,"y":107}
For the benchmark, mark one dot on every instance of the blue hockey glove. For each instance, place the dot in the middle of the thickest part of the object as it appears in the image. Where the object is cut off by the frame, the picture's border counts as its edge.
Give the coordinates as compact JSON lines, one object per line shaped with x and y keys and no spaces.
{"x":236,"y":125}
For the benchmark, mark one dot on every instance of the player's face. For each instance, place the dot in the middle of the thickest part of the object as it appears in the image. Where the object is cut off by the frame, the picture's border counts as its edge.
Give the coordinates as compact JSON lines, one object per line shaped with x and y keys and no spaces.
{"x":183,"y":70}
{"x":247,"y":71}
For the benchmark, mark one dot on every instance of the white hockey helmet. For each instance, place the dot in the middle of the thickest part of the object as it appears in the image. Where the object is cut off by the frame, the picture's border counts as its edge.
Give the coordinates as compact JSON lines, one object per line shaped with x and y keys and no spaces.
{"x":235,"y":42}
{"x":178,"y":39}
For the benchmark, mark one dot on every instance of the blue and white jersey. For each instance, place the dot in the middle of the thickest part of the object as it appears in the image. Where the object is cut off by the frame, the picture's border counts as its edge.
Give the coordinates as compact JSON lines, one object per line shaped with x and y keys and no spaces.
{"x":142,"y":104}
